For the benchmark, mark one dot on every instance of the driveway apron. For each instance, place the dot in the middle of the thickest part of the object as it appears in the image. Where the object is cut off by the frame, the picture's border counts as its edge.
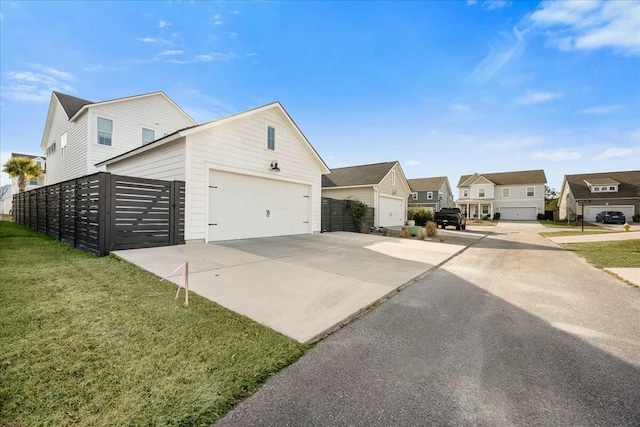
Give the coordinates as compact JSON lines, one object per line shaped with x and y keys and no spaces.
{"x":301,"y":286}
{"x":513,"y":331}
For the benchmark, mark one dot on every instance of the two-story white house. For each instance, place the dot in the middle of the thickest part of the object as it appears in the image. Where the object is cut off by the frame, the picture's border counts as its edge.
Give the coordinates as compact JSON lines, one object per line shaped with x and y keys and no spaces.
{"x":515,"y":195}
{"x":79,"y":133}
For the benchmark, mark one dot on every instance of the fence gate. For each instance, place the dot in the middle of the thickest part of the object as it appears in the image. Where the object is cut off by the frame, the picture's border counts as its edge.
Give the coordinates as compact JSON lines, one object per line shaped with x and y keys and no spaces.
{"x":334,"y":216}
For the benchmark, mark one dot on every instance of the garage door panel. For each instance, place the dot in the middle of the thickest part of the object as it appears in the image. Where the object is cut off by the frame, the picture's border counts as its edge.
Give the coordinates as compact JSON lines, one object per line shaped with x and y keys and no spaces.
{"x":518,"y":213}
{"x":392,"y":212}
{"x":243,"y":206}
{"x":590,"y":212}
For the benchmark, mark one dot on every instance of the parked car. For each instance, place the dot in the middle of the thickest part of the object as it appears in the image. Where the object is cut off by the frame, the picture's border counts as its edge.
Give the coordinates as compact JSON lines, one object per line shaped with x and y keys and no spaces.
{"x":606,"y":217}
{"x":451,"y":216}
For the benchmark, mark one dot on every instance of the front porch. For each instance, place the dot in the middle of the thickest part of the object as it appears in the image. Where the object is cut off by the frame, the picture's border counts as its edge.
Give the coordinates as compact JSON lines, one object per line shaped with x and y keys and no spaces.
{"x":476,"y":208}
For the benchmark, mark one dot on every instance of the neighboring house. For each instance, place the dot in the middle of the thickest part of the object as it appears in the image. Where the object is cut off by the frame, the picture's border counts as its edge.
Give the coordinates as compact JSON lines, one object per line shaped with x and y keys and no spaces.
{"x":431,"y":193}
{"x":80,"y":133}
{"x":6,"y":199}
{"x":516,"y":195}
{"x":32,"y":183}
{"x":597,"y":192}
{"x":251,"y":174}
{"x":382,"y":186}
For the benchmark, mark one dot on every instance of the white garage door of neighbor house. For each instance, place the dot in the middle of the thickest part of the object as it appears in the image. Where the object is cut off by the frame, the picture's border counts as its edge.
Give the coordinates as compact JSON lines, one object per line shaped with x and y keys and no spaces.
{"x":391,"y":211}
{"x":590,"y":212}
{"x":518,"y":214}
{"x":243,"y":206}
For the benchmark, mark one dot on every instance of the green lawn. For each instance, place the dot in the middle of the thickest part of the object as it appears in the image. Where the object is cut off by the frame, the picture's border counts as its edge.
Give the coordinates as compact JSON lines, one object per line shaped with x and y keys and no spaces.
{"x":99,"y":342}
{"x":573,"y":233}
{"x":563,"y":224}
{"x":620,"y":254}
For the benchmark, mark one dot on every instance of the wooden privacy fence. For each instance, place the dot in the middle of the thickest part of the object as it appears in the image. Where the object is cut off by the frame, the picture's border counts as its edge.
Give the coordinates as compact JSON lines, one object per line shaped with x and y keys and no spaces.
{"x":103,"y":212}
{"x":334,"y":216}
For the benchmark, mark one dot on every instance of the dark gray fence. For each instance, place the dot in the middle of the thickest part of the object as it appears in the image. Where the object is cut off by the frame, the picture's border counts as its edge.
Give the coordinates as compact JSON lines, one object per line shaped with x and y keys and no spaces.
{"x":335,"y":217}
{"x":103,"y":212}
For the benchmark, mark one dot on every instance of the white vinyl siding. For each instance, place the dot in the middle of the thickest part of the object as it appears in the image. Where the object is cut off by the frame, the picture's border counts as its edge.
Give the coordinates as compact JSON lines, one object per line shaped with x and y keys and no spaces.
{"x":363,"y":194}
{"x":165,"y":162}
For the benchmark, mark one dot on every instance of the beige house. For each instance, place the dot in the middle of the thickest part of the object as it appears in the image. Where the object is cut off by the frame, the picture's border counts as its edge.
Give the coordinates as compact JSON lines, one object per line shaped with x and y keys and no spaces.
{"x":382,"y":186}
{"x":515,"y":195}
{"x":591,"y":193}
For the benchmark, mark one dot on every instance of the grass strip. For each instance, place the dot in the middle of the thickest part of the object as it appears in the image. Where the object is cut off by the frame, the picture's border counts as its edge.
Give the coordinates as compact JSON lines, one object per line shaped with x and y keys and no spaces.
{"x":616,"y":254}
{"x":100,"y":342}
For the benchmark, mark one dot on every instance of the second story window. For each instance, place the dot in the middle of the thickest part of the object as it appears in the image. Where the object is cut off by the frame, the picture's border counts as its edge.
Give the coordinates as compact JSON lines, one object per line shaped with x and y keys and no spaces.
{"x":63,"y":145}
{"x":415,"y":195}
{"x":465,"y":193}
{"x":530,"y":191}
{"x":271,"y":138}
{"x":148,"y":135}
{"x":105,"y":131}
{"x":481,"y":192}
{"x":429,"y":195}
{"x":506,"y":193}
{"x":393,"y":177}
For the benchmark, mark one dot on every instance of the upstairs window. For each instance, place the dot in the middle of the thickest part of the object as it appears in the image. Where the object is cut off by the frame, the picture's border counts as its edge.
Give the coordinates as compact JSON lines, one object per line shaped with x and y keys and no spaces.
{"x":596,"y":189}
{"x":612,"y":188}
{"x":465,"y":193}
{"x":63,"y":145}
{"x":105,"y":131}
{"x":506,"y":193}
{"x":429,"y":195}
{"x":33,"y":181}
{"x":271,"y":138}
{"x":415,"y":195}
{"x":481,"y":192}
{"x":530,"y":191}
{"x":148,"y":135}
{"x":393,"y":177}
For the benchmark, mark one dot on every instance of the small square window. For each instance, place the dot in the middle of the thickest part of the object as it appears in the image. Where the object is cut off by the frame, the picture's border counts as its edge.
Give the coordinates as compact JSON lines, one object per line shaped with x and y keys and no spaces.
{"x":429,"y":195}
{"x":148,"y":135}
{"x":612,"y":188}
{"x":596,"y":189}
{"x":415,"y":196}
{"x":271,"y":138}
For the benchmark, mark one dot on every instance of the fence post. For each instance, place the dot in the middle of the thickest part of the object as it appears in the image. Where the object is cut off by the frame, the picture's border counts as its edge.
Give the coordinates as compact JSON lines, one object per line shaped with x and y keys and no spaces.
{"x":60,"y":204}
{"x":104,"y":209}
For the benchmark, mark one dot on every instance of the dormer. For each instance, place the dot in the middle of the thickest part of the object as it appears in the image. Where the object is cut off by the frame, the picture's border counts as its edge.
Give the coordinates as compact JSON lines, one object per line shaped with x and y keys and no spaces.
{"x":602,"y":185}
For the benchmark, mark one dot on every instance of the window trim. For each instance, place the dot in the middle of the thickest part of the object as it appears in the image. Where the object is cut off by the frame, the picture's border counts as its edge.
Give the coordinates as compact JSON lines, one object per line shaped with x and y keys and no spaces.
{"x":429,"y":195}
{"x":484,"y":193}
{"x":465,"y":193}
{"x":508,"y":196}
{"x":533,"y":191}
{"x":393,"y":177}
{"x":415,"y":195}
{"x":98,"y":132}
{"x":271,"y":142}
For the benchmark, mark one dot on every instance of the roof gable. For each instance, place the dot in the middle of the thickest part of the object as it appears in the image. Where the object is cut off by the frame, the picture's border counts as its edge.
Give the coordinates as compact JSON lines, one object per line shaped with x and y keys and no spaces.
{"x":71,"y":104}
{"x":361,"y":175}
{"x":426,"y":184}
{"x":536,"y":176}
{"x":628,"y":184}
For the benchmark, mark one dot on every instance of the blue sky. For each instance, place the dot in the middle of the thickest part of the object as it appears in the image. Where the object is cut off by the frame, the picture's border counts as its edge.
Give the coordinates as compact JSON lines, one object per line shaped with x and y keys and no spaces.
{"x":444,"y":87}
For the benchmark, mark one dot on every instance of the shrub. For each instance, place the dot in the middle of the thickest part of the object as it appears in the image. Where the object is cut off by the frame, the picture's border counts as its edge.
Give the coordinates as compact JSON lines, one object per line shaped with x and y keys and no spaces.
{"x":496,"y":216}
{"x":636,"y":217}
{"x":420,"y":215}
{"x":405,"y":233}
{"x":432,"y":229}
{"x":357,"y":210}
{"x":542,"y":216}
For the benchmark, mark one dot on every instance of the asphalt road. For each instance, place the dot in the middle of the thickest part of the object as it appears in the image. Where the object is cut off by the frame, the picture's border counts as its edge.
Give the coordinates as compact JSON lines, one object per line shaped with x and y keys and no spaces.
{"x":513,"y":332}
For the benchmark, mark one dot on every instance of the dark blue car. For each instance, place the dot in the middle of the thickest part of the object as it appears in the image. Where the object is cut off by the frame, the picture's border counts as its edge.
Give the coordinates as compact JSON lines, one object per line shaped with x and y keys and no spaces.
{"x":607,"y":217}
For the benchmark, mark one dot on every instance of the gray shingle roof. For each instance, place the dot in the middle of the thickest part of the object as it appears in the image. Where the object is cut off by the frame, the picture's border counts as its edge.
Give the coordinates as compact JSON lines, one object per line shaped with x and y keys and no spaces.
{"x":536,"y":176}
{"x":425,"y":184}
{"x":71,"y":104}
{"x":629,"y":184}
{"x":357,"y":175}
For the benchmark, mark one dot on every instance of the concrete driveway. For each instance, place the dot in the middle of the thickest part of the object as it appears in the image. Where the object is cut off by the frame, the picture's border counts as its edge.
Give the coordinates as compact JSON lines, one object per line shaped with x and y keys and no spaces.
{"x":301,"y":286}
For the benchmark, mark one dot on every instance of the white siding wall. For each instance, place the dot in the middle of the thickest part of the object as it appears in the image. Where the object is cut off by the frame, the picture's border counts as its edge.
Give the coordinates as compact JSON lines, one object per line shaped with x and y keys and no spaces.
{"x":74,"y":164}
{"x":518,"y":197}
{"x":241,"y":146}
{"x":165,"y":162}
{"x":488,"y":190}
{"x":129,"y":117}
{"x":364,"y":194}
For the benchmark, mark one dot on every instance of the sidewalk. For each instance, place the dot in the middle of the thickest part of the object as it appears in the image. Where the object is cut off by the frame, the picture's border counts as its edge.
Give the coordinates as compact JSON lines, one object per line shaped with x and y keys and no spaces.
{"x":631,"y":275}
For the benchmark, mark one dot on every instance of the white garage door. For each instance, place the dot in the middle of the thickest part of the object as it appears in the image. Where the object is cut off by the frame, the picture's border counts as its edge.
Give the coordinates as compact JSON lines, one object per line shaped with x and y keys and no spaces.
{"x":243,"y":206}
{"x":392,"y":211}
{"x":590,"y":212}
{"x":518,"y":214}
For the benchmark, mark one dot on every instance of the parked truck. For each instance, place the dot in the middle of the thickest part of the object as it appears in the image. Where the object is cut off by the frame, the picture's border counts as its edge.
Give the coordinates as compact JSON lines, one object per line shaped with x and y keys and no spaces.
{"x":450,"y":216}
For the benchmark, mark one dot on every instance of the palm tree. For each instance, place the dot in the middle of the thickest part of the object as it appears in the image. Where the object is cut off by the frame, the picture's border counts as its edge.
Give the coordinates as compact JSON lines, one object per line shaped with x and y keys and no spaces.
{"x":22,"y":168}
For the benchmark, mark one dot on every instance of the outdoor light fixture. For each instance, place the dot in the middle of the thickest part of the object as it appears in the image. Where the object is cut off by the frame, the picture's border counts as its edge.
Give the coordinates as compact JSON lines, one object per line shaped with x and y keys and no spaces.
{"x":274,"y":166}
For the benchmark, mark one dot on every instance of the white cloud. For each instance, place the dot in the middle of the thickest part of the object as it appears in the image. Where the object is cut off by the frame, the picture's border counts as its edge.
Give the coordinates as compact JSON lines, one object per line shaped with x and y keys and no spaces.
{"x":495,"y":4}
{"x":460,"y":108}
{"x":557,"y":156}
{"x":590,"y":25}
{"x":1,"y":16}
{"x":36,"y":87}
{"x":531,"y":98}
{"x":235,"y":12}
{"x":170,"y":52}
{"x":498,"y":57}
{"x":615,"y":152}
{"x":163,"y":24}
{"x":148,"y":40}
{"x":412,"y":163}
{"x":601,"y":109}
